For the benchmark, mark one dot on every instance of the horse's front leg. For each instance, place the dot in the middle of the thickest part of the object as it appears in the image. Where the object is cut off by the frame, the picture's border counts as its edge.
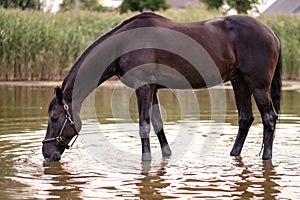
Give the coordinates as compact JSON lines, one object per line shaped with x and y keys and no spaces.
{"x":157,"y":124}
{"x":144,"y":96}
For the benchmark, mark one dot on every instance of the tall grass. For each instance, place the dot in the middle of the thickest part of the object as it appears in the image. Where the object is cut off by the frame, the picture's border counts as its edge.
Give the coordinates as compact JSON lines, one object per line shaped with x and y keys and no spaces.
{"x":288,"y":30}
{"x":39,"y":46}
{"x":43,"y":46}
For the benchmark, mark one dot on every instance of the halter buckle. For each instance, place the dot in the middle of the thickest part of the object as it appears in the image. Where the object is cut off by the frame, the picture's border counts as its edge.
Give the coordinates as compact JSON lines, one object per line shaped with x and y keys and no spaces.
{"x":58,"y":138}
{"x":70,"y":119}
{"x":68,"y":115}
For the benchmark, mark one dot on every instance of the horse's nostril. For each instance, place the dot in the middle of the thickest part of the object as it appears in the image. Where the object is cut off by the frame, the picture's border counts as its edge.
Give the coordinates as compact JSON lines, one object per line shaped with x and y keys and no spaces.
{"x":46,"y":155}
{"x":56,"y":156}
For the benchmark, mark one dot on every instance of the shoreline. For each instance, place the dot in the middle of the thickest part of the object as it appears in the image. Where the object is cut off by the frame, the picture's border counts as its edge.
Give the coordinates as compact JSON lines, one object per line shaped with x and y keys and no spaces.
{"x":286,"y":84}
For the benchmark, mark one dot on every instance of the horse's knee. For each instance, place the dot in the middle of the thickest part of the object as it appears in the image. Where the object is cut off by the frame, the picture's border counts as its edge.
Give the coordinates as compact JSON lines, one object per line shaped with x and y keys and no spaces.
{"x":144,"y":130}
{"x":245,"y":122}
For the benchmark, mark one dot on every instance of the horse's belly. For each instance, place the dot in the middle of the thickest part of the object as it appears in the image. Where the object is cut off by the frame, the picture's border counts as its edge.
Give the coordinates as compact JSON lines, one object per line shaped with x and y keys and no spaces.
{"x":176,"y":79}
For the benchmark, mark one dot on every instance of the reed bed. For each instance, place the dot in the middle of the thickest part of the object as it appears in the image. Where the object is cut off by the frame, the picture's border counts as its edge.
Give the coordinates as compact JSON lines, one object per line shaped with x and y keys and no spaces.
{"x":288,"y":29}
{"x":42,"y":46}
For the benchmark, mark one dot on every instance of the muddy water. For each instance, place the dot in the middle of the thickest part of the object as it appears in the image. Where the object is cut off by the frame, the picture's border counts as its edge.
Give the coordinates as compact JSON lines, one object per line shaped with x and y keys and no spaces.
{"x":108,"y":165}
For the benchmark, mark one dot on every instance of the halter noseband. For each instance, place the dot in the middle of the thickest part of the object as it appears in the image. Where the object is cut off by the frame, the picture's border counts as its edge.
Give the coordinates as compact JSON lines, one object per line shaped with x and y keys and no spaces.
{"x":59,"y":138}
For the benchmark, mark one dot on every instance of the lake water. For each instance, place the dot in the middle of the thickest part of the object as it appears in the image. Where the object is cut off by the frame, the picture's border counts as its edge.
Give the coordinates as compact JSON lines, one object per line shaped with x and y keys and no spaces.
{"x":105,"y":162}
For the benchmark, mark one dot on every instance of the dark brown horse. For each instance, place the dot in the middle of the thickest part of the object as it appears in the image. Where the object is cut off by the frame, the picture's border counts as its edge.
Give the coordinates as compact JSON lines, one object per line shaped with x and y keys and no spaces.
{"x":148,"y":52}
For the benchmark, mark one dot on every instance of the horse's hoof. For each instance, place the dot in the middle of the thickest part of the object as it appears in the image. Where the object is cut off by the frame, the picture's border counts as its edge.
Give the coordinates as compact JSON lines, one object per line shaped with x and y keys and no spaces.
{"x":234,"y":153}
{"x":166,"y":151}
{"x":267,"y":157}
{"x":146,"y":156}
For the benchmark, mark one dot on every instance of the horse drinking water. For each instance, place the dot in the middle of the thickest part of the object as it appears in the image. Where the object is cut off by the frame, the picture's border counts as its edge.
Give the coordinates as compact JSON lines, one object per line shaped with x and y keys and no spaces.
{"x":149,"y":52}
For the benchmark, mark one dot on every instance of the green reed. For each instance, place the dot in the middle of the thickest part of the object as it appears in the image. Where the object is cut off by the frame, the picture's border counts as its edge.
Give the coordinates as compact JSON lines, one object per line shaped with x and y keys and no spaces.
{"x":288,"y":30}
{"x":43,"y":46}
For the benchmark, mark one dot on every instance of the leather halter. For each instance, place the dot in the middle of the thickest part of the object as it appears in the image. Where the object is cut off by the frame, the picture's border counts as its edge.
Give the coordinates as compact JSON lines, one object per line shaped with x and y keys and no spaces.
{"x":58,"y":138}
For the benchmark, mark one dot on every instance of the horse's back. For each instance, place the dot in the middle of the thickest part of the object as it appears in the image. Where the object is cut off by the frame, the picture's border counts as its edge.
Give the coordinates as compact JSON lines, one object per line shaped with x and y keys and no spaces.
{"x":205,"y":37}
{"x":233,"y":42}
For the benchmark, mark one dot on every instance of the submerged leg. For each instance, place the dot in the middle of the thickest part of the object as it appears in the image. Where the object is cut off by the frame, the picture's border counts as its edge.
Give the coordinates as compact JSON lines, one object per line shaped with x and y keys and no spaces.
{"x":144,"y":96}
{"x":243,"y":103}
{"x":269,"y":117}
{"x":157,"y":124}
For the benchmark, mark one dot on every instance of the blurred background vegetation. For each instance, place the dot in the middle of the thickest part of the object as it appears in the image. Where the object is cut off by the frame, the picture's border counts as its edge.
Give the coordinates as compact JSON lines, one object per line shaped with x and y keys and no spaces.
{"x":21,"y":4}
{"x":38,"y":45}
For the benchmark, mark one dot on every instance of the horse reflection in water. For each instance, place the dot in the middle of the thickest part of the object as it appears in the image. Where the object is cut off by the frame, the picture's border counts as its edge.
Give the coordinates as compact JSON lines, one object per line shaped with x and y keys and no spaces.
{"x":249,"y":179}
{"x":149,"y":52}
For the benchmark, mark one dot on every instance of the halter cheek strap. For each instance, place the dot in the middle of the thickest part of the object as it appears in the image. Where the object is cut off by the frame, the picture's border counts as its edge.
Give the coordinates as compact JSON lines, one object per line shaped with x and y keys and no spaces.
{"x":59,"y":138}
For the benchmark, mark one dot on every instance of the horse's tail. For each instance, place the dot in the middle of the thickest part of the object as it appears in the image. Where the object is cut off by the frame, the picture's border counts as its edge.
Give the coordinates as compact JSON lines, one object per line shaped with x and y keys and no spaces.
{"x":276,"y":84}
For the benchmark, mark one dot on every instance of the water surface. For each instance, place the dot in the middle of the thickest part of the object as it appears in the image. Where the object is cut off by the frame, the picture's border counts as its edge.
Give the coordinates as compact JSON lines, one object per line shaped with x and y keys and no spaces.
{"x":194,"y":173}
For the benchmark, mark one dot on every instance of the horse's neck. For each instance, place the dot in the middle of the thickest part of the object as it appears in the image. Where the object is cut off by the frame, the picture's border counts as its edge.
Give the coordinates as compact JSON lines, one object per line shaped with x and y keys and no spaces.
{"x":80,"y":83}
{"x":93,"y":67}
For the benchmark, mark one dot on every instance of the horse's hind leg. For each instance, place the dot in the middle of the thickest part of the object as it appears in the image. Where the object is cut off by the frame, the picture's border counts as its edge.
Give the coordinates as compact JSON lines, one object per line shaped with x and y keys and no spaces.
{"x":157,"y":124}
{"x":245,"y":114}
{"x":269,"y":117}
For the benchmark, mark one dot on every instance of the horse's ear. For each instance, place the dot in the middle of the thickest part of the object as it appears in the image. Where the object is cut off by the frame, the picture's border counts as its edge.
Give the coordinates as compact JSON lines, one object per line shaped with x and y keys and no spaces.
{"x":58,"y":94}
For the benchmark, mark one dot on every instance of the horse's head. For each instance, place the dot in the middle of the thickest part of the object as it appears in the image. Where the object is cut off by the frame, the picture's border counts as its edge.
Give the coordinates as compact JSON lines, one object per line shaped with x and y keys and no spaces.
{"x":61,"y":128}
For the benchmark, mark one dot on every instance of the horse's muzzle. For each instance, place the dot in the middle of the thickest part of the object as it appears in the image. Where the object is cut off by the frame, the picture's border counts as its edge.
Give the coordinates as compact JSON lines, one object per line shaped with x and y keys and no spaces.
{"x":50,"y":157}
